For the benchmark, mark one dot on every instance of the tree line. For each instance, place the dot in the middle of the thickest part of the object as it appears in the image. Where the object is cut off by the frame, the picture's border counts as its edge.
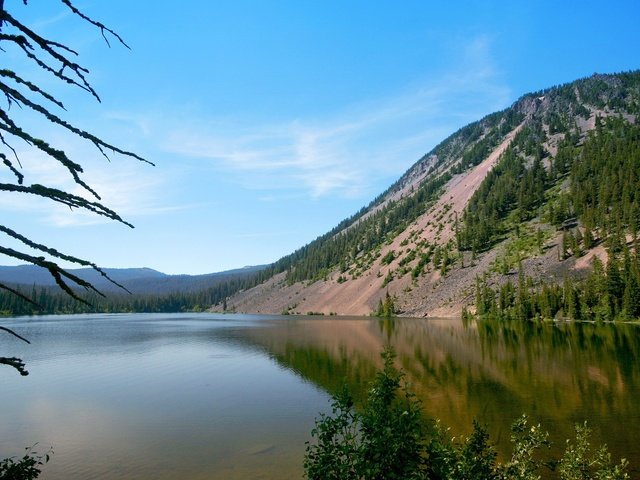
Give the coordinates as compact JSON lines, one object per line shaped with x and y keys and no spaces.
{"x":608,"y":293}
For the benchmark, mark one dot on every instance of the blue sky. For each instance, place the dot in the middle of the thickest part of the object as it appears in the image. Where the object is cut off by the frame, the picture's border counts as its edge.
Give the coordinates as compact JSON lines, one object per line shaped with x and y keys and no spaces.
{"x":269,"y":122}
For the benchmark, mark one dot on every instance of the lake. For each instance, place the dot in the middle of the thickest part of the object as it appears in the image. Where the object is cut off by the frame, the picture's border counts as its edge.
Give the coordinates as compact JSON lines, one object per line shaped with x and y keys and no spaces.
{"x":195,"y":396}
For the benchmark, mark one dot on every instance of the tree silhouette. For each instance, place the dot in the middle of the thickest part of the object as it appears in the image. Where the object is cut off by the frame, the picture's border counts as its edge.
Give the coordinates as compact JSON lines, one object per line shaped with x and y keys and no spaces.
{"x":59,"y":61}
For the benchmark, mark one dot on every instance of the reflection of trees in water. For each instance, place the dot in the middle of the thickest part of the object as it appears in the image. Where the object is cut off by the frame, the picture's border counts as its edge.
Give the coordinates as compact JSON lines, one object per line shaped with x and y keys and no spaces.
{"x":327,"y":370}
{"x":558,"y":373}
{"x":588,"y":356}
{"x":570,"y":372}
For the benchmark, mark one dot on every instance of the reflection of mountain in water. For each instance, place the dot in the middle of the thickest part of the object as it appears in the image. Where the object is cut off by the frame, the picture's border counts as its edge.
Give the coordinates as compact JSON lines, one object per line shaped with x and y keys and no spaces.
{"x":559,"y":374}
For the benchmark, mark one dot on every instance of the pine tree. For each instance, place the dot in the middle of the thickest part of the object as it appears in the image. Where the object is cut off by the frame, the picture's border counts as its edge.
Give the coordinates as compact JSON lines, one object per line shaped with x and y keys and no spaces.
{"x":615,"y":285}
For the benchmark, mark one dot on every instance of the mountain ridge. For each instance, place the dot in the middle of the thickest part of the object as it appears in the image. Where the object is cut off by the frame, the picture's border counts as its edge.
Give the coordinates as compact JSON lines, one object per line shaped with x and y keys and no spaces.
{"x":419,"y":240}
{"x":537,"y":197}
{"x":141,"y":281}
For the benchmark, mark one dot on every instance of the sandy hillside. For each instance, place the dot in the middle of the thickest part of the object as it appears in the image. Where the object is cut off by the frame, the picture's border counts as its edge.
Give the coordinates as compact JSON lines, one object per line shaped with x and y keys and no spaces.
{"x":359,"y":296}
{"x":421,"y":267}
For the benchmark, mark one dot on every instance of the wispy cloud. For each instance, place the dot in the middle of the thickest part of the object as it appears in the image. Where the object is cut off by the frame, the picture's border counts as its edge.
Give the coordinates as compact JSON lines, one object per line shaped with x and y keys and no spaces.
{"x":130,"y":188}
{"x":345,"y":154}
{"x":348,"y":151}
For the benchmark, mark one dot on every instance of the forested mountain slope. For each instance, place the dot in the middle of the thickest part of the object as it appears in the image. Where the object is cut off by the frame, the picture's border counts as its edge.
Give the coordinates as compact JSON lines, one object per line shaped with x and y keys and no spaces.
{"x":530,"y":211}
{"x":526,"y":197}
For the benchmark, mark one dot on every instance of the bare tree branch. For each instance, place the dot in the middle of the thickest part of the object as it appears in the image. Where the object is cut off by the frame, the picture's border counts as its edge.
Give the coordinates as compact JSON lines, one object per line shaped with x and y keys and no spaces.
{"x":8,"y":330}
{"x":16,"y":363}
{"x":9,"y":126}
{"x":49,"y":47}
{"x":56,"y":272}
{"x":97,"y":24}
{"x":15,"y":171}
{"x":17,"y":293}
{"x":59,"y":60}
{"x":60,"y":196}
{"x":57,"y":254}
{"x":31,"y":86}
{"x":99,"y":143}
{"x":13,"y":150}
{"x":22,"y":42}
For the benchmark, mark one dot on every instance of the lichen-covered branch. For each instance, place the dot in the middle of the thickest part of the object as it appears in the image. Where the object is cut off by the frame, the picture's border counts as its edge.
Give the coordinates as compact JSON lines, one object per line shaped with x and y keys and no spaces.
{"x":14,"y":170}
{"x":16,"y":363}
{"x":8,"y":330}
{"x":26,"y":42}
{"x":55,"y":253}
{"x":60,"y":196}
{"x":17,"y":89}
{"x":31,"y":86}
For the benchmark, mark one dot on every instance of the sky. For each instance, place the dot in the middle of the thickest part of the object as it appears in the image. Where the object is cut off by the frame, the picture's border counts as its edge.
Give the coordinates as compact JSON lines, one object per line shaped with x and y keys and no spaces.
{"x":269,"y":122}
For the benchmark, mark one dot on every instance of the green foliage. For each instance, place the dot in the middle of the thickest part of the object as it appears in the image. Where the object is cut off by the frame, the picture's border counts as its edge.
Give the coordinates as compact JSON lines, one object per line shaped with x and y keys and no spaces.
{"x":336,"y":455}
{"x":387,"y":279}
{"x":594,"y":199}
{"x":602,"y":170}
{"x":388,"y":258}
{"x":383,"y":441}
{"x":580,"y":462}
{"x":509,"y":186}
{"x":496,"y":126}
{"x":386,"y":308}
{"x":392,"y":427}
{"x":604,"y":178}
{"x":471,"y":459}
{"x":605,"y":294}
{"x":26,"y":468}
{"x":57,"y":302}
{"x":529,"y":243}
{"x":388,"y":438}
{"x":425,"y":259}
{"x":527,"y":441}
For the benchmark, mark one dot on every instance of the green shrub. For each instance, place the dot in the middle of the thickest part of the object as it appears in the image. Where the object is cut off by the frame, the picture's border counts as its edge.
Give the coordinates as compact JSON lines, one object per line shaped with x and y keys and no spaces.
{"x":383,"y":441}
{"x":26,"y":468}
{"x":388,"y":439}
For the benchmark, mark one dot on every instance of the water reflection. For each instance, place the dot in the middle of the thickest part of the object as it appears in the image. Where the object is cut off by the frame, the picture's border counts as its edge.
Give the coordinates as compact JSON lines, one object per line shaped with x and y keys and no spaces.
{"x":559,"y":374}
{"x":163,"y":397}
{"x":232,"y":397}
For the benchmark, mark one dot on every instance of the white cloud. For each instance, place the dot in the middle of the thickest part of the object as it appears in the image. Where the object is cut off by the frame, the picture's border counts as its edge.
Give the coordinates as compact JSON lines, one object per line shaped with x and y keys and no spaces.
{"x":347,"y":152}
{"x":343,"y":154}
{"x":130,"y":188}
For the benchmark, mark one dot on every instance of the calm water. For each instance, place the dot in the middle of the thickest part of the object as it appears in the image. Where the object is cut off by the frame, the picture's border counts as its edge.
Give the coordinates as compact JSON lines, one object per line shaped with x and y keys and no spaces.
{"x":234,"y":397}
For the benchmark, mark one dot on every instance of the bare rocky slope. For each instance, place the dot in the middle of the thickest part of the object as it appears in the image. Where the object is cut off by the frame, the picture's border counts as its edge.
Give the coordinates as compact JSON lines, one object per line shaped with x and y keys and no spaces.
{"x":407,"y":241}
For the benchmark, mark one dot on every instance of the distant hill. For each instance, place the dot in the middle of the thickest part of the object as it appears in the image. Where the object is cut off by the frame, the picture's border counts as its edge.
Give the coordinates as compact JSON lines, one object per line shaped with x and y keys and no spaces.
{"x":141,"y":281}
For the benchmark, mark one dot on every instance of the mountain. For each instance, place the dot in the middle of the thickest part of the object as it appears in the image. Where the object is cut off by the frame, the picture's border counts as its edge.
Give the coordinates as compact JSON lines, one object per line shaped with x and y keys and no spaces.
{"x":531,"y":194}
{"x":141,"y":281}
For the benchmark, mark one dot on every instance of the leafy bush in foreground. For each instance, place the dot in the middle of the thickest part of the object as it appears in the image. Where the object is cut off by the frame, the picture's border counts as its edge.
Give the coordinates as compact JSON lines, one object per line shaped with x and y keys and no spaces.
{"x":388,"y":439}
{"x":26,"y":468}
{"x":383,"y":441}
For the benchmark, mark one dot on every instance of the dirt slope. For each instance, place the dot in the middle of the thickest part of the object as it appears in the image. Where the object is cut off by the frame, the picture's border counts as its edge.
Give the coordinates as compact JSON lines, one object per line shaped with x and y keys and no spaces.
{"x":431,"y":295}
{"x":422,"y":266}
